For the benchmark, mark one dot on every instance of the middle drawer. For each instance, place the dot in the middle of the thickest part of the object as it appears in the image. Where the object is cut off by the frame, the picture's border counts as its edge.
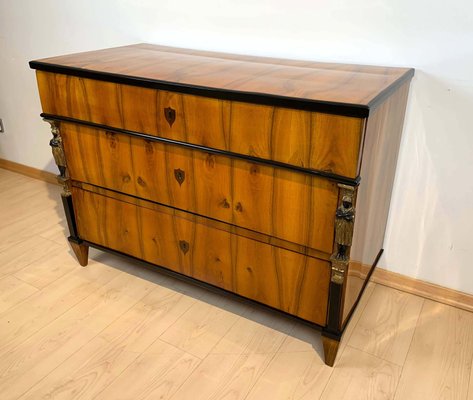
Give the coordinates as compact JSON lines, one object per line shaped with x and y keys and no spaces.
{"x":292,"y":206}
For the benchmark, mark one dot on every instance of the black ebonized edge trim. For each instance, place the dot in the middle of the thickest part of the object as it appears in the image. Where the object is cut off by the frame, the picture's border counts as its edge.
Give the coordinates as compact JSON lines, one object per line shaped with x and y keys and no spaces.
{"x":333,"y":177}
{"x":71,"y":219}
{"x":202,"y":284}
{"x":346,"y":109}
{"x":333,"y":329}
{"x":334,"y":309}
{"x":70,"y":216}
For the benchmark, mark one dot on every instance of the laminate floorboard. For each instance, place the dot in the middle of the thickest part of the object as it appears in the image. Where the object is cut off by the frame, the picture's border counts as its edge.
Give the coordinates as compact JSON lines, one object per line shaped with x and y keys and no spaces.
{"x":387,"y":325}
{"x":13,"y":291}
{"x":99,"y":362}
{"x":116,"y":331}
{"x":438,"y":365}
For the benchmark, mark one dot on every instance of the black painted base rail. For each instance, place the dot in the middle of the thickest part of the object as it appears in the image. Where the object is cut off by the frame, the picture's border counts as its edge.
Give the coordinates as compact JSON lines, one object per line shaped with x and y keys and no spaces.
{"x":333,"y":334}
{"x":194,"y":281}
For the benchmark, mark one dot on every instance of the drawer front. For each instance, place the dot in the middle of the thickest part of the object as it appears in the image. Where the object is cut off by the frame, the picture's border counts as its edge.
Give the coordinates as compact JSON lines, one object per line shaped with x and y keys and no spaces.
{"x":283,"y":279}
{"x":325,"y":142}
{"x":289,"y":205}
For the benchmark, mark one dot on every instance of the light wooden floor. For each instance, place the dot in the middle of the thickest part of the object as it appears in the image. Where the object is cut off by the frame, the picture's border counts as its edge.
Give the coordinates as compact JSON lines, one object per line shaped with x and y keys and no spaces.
{"x":116,"y":331}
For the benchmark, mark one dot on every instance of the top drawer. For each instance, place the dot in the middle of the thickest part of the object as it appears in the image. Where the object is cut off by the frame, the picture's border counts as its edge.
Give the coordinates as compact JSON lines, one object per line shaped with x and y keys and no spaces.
{"x":317,"y":141}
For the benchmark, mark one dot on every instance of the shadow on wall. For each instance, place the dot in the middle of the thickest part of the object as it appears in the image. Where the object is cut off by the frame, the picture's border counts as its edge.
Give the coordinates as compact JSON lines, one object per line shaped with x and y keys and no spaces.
{"x":428,"y":235}
{"x":51,"y":165}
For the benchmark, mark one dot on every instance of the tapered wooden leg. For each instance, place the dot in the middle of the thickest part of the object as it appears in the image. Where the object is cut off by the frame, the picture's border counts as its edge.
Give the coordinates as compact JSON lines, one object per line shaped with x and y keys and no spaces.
{"x":81,"y":251}
{"x":330,"y":350}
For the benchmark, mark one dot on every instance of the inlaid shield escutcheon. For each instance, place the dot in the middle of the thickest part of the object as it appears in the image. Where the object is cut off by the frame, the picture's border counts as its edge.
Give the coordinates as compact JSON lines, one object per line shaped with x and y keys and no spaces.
{"x":170,"y":115}
{"x":180,"y":175}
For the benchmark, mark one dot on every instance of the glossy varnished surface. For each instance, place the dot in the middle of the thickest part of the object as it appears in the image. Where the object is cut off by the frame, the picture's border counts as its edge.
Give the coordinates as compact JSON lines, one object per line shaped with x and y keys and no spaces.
{"x":317,"y":141}
{"x":312,"y":81}
{"x":214,"y":223}
{"x":279,"y":278}
{"x":380,"y":153}
{"x":251,"y":143}
{"x":116,"y":331}
{"x":280,"y":203}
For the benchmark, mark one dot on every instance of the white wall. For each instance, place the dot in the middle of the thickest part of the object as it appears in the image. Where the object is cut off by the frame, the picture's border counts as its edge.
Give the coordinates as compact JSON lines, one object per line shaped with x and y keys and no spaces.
{"x":430,"y":231}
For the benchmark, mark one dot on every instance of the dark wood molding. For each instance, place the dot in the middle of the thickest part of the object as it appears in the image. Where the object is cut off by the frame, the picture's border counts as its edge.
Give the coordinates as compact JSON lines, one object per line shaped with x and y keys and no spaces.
{"x":330,"y":350}
{"x":330,"y":107}
{"x":350,"y":110}
{"x":334,"y":309}
{"x":70,"y":216}
{"x":81,"y":251}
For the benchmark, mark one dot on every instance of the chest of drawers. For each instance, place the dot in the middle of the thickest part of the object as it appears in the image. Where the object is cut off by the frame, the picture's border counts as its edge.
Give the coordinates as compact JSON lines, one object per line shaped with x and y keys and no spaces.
{"x":265,"y":178}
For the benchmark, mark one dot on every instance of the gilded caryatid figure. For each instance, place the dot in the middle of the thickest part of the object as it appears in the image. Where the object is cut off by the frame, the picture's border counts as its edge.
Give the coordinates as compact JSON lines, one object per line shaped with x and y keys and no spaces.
{"x":344,"y":226}
{"x":56,"y":146}
{"x":58,"y":155}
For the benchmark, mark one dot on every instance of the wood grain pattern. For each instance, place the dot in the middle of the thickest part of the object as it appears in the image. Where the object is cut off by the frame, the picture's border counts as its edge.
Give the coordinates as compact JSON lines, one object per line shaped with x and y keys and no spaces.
{"x":330,"y":350}
{"x":248,"y":359}
{"x":440,"y":355}
{"x":67,"y":334}
{"x":201,"y":327}
{"x":24,"y":210}
{"x":252,"y":196}
{"x":470,"y":386}
{"x":339,"y":83}
{"x":357,"y":314}
{"x":256,"y":331}
{"x":20,"y":322}
{"x":156,"y":374}
{"x":380,"y":153}
{"x":234,"y":366}
{"x":371,"y":379}
{"x":286,"y":280}
{"x":26,"y":226}
{"x":82,"y":253}
{"x":377,"y":331}
{"x":222,"y":376}
{"x":101,"y":361}
{"x":47,"y":269}
{"x":16,"y":257}
{"x":212,"y":215}
{"x":295,"y":375}
{"x":234,"y":229}
{"x":13,"y":291}
{"x":324,"y":142}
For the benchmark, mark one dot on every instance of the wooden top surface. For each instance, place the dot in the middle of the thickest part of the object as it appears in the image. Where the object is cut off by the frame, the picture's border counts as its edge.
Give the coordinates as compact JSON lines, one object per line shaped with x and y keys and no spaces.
{"x":356,"y":87}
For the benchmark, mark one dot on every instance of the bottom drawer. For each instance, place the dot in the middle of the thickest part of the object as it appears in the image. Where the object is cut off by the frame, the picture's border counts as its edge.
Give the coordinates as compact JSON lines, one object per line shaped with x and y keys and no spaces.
{"x":280,"y":278}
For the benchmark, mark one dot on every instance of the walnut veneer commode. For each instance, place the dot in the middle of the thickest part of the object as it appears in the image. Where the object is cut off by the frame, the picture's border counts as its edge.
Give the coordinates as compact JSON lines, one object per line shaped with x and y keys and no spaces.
{"x":270,"y":179}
